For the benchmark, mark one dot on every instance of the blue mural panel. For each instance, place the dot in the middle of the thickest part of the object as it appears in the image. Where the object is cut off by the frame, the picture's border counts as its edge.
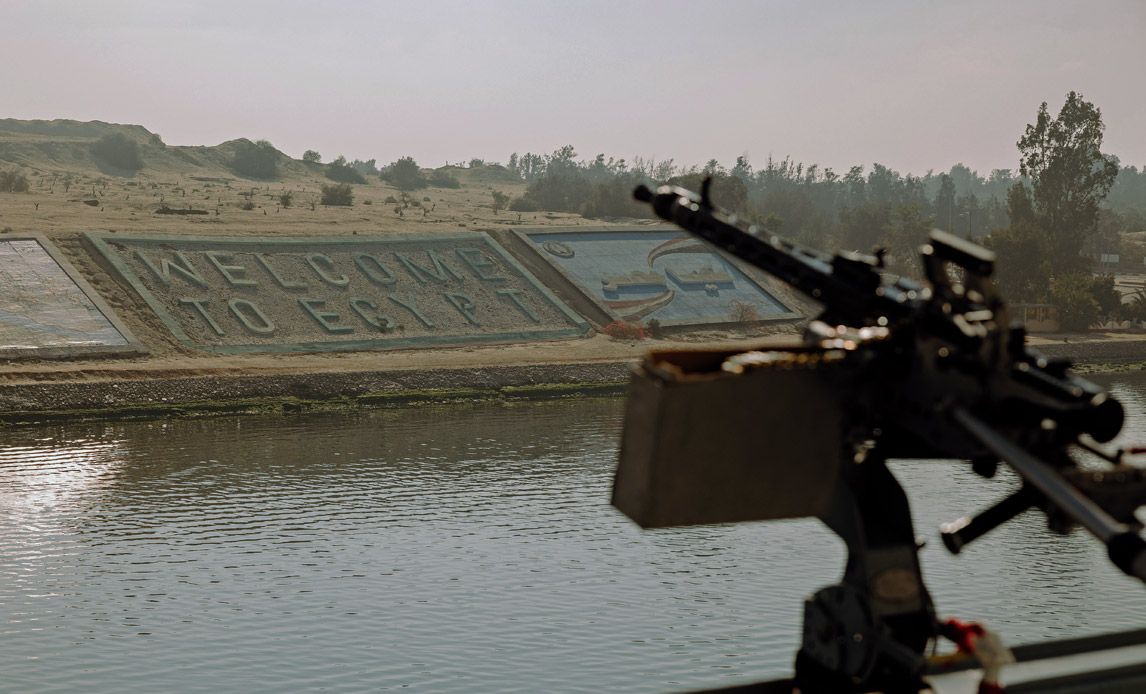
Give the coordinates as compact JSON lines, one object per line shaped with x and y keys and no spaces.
{"x":665,"y":275}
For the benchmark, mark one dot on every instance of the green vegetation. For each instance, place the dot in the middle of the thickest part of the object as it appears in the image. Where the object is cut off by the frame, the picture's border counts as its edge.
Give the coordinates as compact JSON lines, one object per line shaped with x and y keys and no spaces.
{"x":311,"y":157}
{"x":119,"y":151}
{"x":440,"y":178}
{"x":13,"y":181}
{"x":500,"y":200}
{"x":339,"y":194}
{"x":404,"y":174}
{"x":256,"y":159}
{"x":339,"y":170}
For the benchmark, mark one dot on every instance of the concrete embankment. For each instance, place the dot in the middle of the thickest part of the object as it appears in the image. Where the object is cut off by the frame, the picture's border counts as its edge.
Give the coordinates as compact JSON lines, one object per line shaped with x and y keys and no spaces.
{"x":56,"y":392}
{"x":1125,"y":351}
{"x":143,"y":397}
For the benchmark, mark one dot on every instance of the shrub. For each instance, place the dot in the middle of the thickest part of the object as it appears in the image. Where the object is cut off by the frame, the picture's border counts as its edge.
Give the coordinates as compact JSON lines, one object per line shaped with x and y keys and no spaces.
{"x":624,"y":330}
{"x":256,"y":159}
{"x":311,"y":157}
{"x":13,"y":182}
{"x":339,"y":170}
{"x":404,"y":174}
{"x":391,"y":200}
{"x":440,"y":178}
{"x":340,"y":194}
{"x":524,"y":205}
{"x":500,"y":200}
{"x":742,"y":311}
{"x":119,"y":150}
{"x":656,"y":329}
{"x":1072,"y":299}
{"x":286,"y":199}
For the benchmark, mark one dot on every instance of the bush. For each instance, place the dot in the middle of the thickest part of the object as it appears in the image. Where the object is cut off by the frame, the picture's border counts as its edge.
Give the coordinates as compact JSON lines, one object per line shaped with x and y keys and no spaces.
{"x":656,"y":329}
{"x":391,"y":200}
{"x":311,"y":157}
{"x":614,"y":199}
{"x":404,"y":174}
{"x":119,"y":150}
{"x":339,"y":170}
{"x":623,"y":330}
{"x":13,"y":182}
{"x":523,"y":205}
{"x":340,"y":194}
{"x":500,"y":200}
{"x":248,"y":205}
{"x":560,"y":192}
{"x":286,"y":199}
{"x":256,"y":159}
{"x":1072,"y":299}
{"x":742,"y":311}
{"x":440,"y":178}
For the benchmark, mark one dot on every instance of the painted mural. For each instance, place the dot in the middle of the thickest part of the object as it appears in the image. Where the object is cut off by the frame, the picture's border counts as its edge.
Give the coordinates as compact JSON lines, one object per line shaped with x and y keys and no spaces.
{"x":641,"y":275}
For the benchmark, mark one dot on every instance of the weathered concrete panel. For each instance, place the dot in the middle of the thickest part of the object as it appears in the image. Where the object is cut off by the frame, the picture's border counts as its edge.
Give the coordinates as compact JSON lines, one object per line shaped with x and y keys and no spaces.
{"x":233,"y":295}
{"x":656,"y":273}
{"x":47,"y":309}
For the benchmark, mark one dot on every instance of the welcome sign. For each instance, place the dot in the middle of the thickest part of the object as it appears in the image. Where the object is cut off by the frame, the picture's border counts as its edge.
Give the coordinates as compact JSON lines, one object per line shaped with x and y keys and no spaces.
{"x":234,"y":295}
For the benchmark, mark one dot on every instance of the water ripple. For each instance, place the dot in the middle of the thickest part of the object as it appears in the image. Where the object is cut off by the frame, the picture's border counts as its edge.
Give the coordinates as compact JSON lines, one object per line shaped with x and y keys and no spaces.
{"x":454,"y":549}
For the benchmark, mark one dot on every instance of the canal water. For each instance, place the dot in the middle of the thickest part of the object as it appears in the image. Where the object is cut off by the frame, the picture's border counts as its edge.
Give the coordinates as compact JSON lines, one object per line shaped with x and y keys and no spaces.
{"x":448,"y":550}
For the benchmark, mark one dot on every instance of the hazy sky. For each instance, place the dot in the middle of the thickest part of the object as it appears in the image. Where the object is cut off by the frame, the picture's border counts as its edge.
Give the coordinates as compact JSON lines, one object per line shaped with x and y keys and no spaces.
{"x":911,"y":84}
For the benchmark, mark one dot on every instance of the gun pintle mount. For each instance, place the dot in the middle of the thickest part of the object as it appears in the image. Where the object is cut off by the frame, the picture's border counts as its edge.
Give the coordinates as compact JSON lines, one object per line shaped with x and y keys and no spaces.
{"x":892,"y":368}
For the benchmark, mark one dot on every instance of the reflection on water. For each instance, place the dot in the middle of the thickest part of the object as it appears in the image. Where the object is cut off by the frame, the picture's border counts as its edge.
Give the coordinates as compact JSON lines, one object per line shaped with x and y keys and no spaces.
{"x":459,"y":550}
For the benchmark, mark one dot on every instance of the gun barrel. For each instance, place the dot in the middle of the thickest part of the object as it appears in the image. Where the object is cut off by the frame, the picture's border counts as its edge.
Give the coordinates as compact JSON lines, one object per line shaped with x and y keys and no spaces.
{"x":1127,"y":549}
{"x":848,"y":284}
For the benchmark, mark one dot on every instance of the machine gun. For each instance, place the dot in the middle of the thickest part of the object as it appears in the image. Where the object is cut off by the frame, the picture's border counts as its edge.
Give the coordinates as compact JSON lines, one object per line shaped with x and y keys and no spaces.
{"x":893,"y":368}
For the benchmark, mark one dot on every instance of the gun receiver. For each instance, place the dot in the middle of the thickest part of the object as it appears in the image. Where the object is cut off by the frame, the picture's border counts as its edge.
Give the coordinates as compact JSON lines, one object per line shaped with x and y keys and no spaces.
{"x":910,"y":370}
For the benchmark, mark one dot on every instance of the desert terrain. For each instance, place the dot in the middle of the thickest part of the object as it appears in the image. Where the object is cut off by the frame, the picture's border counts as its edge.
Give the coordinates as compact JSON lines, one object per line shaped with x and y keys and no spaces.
{"x":71,"y":191}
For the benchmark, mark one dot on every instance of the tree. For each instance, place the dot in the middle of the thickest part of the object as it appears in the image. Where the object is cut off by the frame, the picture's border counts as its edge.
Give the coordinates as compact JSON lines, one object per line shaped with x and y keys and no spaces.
{"x":13,"y":181}
{"x":500,"y":200}
{"x":340,"y":194}
{"x":119,"y":150}
{"x":339,"y":170}
{"x":1019,"y":206}
{"x":404,"y":174}
{"x":255,"y":159}
{"x":1073,"y":300}
{"x":1069,"y":175}
{"x":311,"y":157}
{"x":1023,"y":265}
{"x":945,"y":203}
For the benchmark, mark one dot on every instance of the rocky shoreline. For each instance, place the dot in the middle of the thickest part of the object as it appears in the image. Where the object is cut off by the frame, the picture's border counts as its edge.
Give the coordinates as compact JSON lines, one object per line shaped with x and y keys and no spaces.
{"x":59,"y":397}
{"x":130,"y":398}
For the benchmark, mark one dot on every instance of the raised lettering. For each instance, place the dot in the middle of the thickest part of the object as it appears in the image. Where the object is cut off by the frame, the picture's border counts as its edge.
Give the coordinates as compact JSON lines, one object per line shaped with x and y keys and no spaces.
{"x":262,"y":258}
{"x":163,"y":272}
{"x":374,"y":269}
{"x":479,"y":263}
{"x":377,"y":321}
{"x":240,"y":306}
{"x":464,"y":305}
{"x":201,"y":306}
{"x":514,"y":295}
{"x":326,"y":319}
{"x":438,"y":274}
{"x":229,"y":271}
{"x":408,"y":304}
{"x":313,"y":261}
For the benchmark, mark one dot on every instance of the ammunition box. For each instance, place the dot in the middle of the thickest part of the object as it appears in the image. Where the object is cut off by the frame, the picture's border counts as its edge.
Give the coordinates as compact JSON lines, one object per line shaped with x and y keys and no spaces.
{"x":705,"y":445}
